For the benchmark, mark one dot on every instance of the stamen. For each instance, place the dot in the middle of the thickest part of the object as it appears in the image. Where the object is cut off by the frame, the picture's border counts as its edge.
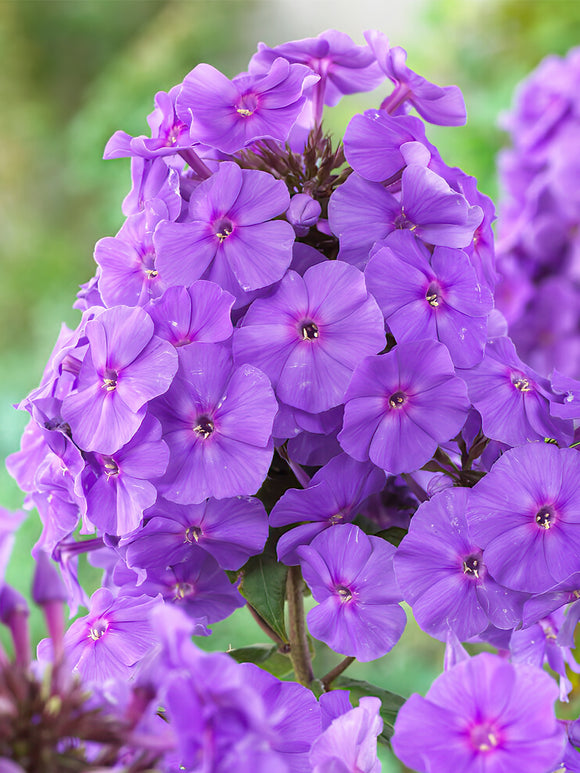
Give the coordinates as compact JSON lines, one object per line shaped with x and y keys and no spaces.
{"x":111,"y":468}
{"x":204,"y":427}
{"x":192,"y":534}
{"x":397,"y":399}
{"x":521,"y":383}
{"x":545,"y":517}
{"x":223,"y":229}
{"x":182,"y":590}
{"x":344,"y":593}
{"x":98,"y":630}
{"x":484,"y":737}
{"x":244,"y":111}
{"x":471,"y":566}
{"x":309,"y":331}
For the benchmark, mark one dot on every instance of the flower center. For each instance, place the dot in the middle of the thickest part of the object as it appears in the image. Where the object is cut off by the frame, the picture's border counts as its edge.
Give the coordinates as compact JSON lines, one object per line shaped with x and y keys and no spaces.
{"x":344,"y":594}
{"x":471,"y":566}
{"x":397,"y":399}
{"x":98,"y":629}
{"x":204,"y":427}
{"x":110,"y":380}
{"x":223,"y":228}
{"x":484,"y":737}
{"x":182,"y":590}
{"x":545,"y":517}
{"x":309,"y":331}
{"x":521,"y":383}
{"x":111,"y":467}
{"x":433,"y":295}
{"x":192,"y":534}
{"x":247,"y":105}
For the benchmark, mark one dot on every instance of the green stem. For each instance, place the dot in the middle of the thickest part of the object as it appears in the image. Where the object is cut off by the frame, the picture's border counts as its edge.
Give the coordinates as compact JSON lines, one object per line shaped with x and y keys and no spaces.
{"x":299,"y":652}
{"x":336,"y":672}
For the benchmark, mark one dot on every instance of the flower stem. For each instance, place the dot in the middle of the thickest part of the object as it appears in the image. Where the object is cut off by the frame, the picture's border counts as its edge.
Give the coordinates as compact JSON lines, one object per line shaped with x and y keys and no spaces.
{"x":299,"y":652}
{"x":336,"y":672}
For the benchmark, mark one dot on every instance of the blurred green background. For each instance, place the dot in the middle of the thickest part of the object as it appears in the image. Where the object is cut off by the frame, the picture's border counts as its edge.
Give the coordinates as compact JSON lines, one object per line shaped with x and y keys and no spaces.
{"x":74,"y":71}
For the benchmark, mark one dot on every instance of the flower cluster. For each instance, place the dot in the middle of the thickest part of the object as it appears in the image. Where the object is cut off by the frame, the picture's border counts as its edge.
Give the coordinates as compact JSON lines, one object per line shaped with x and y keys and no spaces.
{"x":288,"y":371}
{"x":540,"y":217}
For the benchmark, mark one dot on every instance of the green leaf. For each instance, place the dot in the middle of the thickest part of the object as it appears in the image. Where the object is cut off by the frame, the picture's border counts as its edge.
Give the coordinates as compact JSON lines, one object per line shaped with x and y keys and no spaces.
{"x":394,"y":535}
{"x":266,"y":656}
{"x":263,"y":586}
{"x":390,"y":702}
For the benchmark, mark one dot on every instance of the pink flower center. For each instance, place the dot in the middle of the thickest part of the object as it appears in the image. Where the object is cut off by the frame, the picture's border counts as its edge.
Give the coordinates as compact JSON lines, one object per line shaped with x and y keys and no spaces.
{"x":223,"y":228}
{"x":309,"y":331}
{"x":98,"y":629}
{"x":204,"y":427}
{"x":545,"y":517}
{"x":397,"y":400}
{"x":484,"y":737}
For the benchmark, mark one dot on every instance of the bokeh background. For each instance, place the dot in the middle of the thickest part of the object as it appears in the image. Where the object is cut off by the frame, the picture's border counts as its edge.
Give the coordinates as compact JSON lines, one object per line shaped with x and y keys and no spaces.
{"x":74,"y":71}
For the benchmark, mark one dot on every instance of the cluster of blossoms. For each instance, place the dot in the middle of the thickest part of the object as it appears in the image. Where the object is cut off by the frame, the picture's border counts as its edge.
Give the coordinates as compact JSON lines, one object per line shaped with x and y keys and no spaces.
{"x":289,"y":370}
{"x":539,"y":223}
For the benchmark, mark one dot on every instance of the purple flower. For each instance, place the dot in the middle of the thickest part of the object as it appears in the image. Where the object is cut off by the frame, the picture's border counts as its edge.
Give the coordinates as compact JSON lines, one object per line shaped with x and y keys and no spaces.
{"x":362,"y":213}
{"x":334,"y":495}
{"x":398,"y":410}
{"x":539,"y":644}
{"x":293,"y":712}
{"x":525,"y":513}
{"x":118,"y":486}
{"x":343,"y":67}
{"x":230,"y":236}
{"x":477,"y":717}
{"x":348,"y":743}
{"x":309,"y":335}
{"x":430,"y":295}
{"x":513,"y":400}
{"x":443,"y":577}
{"x":351,"y":577}
{"x":442,"y":105}
{"x":124,"y":367}
{"x":200,"y":312}
{"x":231,"y":530}
{"x":168,"y":132}
{"x":112,"y":639}
{"x":128,"y":271}
{"x":374,"y":143}
{"x":217,"y":421}
{"x":229,"y":115}
{"x":197,"y":584}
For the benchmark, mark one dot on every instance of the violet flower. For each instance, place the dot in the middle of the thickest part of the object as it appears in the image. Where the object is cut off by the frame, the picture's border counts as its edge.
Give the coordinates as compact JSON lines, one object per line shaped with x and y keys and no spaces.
{"x":351,"y":576}
{"x":217,"y":421}
{"x":112,"y":638}
{"x":477,"y":717}
{"x":229,"y":115}
{"x":427,"y":294}
{"x":230,"y":236}
{"x":443,"y":576}
{"x":525,"y":514}
{"x":309,"y":335}
{"x":124,"y":368}
{"x":397,"y":411}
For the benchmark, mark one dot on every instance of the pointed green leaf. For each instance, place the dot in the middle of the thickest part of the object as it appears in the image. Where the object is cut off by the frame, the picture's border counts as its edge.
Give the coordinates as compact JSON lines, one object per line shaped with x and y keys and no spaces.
{"x":394,"y":535}
{"x":266,"y":656}
{"x":263,"y":586}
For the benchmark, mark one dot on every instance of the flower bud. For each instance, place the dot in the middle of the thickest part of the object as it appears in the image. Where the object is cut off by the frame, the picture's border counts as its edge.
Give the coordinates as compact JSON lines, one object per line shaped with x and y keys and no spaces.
{"x":302,"y":213}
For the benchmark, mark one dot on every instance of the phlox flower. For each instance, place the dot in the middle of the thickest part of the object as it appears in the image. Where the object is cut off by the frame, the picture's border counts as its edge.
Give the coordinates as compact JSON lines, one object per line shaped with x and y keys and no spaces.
{"x":477,"y":717}
{"x":351,"y":576}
